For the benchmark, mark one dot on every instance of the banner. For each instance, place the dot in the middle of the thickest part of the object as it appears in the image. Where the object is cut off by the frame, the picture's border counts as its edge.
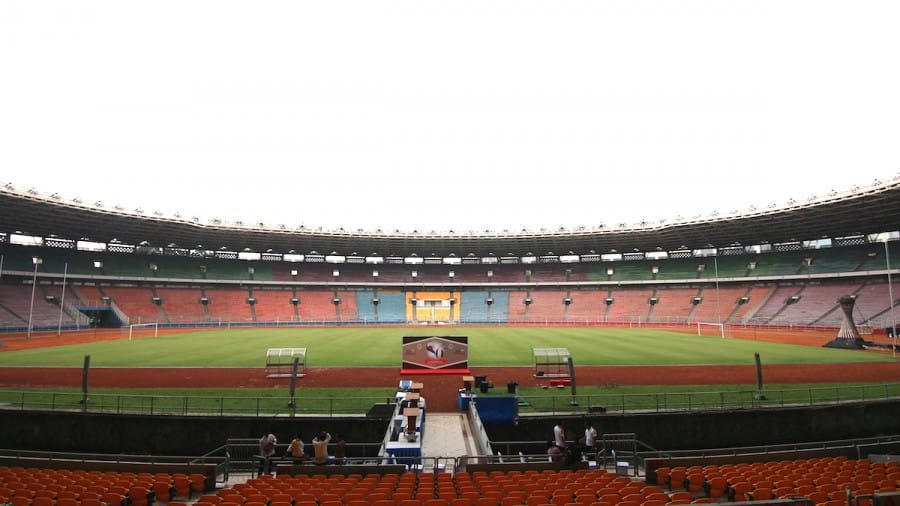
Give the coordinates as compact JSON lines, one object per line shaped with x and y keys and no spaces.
{"x":435,"y":353}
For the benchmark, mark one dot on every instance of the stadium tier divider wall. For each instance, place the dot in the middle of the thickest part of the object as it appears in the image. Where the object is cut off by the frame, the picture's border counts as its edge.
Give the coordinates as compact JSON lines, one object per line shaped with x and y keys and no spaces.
{"x":197,"y":434}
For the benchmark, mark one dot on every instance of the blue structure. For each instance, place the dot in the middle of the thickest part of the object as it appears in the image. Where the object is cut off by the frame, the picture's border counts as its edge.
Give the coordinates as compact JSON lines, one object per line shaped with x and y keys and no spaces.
{"x":497,"y":410}
{"x":364,"y":307}
{"x":391,"y":307}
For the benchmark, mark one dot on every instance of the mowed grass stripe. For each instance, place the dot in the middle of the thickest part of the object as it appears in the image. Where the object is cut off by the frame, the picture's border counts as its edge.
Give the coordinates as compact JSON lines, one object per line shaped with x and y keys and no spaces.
{"x":490,"y":346}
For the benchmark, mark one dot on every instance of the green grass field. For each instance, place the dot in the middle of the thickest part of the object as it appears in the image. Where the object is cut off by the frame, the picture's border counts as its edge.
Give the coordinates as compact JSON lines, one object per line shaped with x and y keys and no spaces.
{"x":488,"y":346}
{"x":356,"y":347}
{"x":357,"y":400}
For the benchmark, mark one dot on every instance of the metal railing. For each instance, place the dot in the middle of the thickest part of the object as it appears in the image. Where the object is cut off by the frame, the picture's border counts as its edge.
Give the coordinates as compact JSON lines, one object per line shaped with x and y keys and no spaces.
{"x":528,"y":404}
{"x":185,"y":404}
{"x":706,"y":400}
{"x":857,"y":448}
{"x":243,"y":454}
{"x":52,"y":459}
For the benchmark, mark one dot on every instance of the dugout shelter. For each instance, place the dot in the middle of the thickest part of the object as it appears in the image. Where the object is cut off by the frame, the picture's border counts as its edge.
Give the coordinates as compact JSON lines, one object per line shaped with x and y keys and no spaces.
{"x":280,"y":362}
{"x":551,"y":362}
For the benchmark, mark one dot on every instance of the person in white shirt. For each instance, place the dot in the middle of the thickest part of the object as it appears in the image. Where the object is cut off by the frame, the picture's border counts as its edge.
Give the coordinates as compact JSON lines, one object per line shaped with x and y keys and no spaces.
{"x":320,"y":445}
{"x":267,"y":444}
{"x":590,"y":437}
{"x":559,"y":435}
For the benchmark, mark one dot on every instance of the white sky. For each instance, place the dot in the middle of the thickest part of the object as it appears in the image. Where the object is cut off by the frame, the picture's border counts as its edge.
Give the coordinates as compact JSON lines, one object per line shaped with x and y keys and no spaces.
{"x":448,"y":114}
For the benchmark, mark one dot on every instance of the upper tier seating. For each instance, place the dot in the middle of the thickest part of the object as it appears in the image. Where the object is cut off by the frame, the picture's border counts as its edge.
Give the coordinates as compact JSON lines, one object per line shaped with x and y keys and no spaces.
{"x":778,"y":264}
{"x":728,"y":266}
{"x":498,"y":273}
{"x":875,"y":259}
{"x":832,"y":260}
{"x":683,"y":268}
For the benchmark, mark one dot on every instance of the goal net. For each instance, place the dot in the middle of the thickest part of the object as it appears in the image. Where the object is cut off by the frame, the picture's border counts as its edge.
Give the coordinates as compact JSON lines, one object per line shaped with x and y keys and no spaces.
{"x":712,"y":329}
{"x":139,"y":330}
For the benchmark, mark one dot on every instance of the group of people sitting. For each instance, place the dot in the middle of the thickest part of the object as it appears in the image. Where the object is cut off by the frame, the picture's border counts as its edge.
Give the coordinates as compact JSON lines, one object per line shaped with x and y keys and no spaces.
{"x":296,"y":450}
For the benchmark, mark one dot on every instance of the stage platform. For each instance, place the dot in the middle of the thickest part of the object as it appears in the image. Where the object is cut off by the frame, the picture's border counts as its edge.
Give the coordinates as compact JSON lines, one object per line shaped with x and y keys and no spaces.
{"x":408,"y":372}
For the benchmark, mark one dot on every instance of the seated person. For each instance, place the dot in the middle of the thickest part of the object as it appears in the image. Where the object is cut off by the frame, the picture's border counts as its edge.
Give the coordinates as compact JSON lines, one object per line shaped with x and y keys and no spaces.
{"x":320,"y":445}
{"x":295,"y":451}
{"x":555,"y":452}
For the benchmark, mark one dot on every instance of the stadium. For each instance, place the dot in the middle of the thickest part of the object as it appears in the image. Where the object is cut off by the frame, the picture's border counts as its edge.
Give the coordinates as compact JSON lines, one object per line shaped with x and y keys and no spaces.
{"x":717,"y":354}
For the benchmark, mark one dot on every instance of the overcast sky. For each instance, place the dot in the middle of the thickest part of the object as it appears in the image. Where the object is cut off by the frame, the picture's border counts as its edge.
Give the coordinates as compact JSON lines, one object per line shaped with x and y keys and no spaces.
{"x":457,"y":114}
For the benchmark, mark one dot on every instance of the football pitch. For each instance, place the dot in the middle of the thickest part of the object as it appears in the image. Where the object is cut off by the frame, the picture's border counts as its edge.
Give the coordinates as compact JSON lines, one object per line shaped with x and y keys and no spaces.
{"x":381,"y":347}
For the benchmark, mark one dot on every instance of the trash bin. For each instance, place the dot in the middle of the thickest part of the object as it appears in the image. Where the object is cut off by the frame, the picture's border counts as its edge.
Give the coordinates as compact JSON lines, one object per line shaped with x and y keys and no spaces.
{"x":484,"y":387}
{"x":511,"y":387}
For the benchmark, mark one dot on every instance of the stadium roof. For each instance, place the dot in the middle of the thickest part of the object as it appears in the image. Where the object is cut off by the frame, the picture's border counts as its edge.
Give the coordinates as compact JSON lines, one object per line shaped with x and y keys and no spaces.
{"x":861,"y":211}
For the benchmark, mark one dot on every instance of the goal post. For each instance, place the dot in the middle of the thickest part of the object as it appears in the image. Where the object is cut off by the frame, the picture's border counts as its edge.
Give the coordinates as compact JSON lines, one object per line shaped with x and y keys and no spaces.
{"x":143,"y":330}
{"x":711,"y":329}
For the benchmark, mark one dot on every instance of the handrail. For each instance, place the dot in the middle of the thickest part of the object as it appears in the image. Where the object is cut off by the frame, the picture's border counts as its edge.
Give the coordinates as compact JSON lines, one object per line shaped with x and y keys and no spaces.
{"x":53,"y":458}
{"x":242,"y":453}
{"x":662,"y":402}
{"x":854,"y":444}
{"x":181,"y":405}
{"x":713,"y":400}
{"x":220,"y":451}
{"x":479,"y":432}
{"x":239,"y":456}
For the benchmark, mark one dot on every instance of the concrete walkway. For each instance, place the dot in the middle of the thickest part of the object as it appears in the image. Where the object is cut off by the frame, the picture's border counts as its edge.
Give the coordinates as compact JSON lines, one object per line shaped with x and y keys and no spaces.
{"x":448,"y":435}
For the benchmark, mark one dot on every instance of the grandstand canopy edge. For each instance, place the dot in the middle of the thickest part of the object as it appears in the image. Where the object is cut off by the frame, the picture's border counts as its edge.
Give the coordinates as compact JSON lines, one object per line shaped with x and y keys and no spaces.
{"x":551,"y":362}
{"x":280,"y":362}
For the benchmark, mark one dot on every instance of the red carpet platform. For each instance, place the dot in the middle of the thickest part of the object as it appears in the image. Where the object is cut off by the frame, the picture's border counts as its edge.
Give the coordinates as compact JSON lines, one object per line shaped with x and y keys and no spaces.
{"x":408,"y":372}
